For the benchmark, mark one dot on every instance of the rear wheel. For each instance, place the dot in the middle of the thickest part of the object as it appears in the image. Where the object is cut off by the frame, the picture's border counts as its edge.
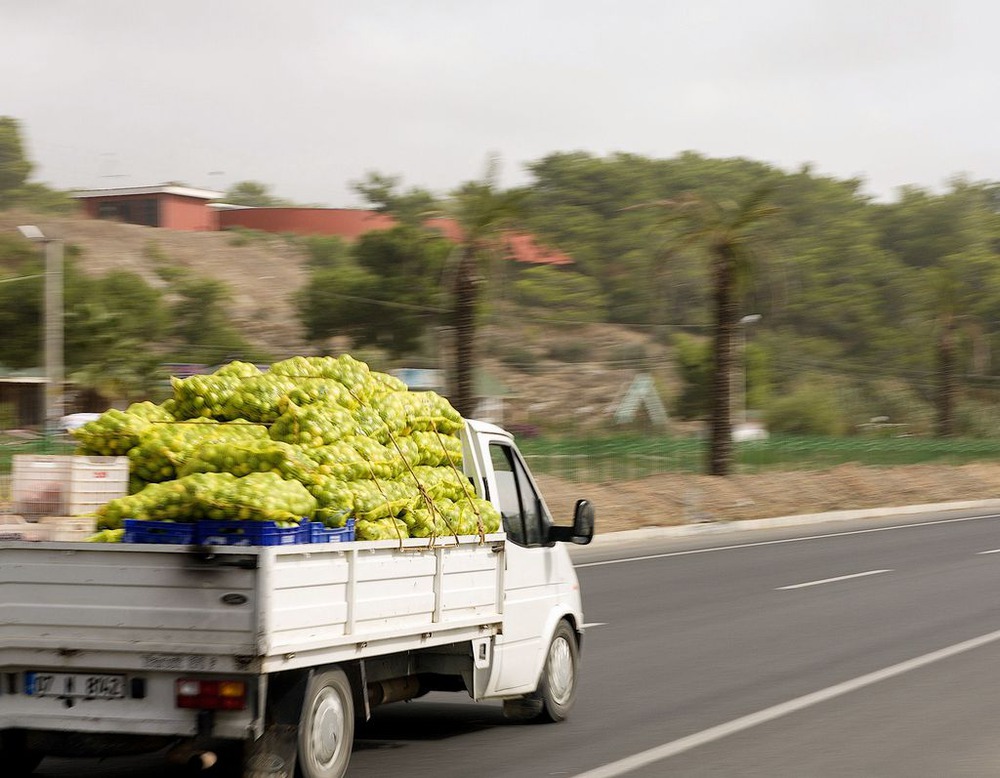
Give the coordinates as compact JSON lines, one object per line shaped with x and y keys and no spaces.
{"x":326,"y":728}
{"x":556,"y":688}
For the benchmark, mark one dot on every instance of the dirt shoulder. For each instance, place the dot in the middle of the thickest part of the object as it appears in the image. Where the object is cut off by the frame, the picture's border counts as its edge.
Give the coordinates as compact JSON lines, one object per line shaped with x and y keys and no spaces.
{"x":677,"y":498}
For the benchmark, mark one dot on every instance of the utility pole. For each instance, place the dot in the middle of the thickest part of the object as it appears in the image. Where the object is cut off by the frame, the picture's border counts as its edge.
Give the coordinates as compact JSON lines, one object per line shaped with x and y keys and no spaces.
{"x":53,"y":324}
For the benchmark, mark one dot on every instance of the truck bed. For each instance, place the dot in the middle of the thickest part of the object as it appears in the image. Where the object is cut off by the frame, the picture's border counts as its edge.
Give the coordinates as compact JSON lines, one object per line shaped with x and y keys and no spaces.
{"x":246,"y":609}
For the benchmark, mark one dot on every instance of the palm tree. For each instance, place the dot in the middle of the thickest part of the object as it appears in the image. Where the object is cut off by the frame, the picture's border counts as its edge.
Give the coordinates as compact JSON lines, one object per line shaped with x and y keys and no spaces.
{"x":483,"y":212}
{"x":949,"y":301}
{"x":727,"y":231}
{"x":947,"y":390}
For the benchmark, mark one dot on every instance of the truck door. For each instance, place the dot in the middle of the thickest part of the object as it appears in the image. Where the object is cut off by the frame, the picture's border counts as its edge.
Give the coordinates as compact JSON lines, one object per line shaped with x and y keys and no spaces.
{"x":535,"y":576}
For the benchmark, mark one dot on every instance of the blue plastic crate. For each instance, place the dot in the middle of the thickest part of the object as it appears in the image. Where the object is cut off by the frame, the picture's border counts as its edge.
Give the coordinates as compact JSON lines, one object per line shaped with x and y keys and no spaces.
{"x":158,"y":532}
{"x":251,"y":533}
{"x":321,"y":534}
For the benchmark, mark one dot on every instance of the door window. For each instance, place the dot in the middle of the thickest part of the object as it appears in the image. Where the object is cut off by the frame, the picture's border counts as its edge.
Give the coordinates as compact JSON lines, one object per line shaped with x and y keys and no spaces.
{"x":520,"y":505}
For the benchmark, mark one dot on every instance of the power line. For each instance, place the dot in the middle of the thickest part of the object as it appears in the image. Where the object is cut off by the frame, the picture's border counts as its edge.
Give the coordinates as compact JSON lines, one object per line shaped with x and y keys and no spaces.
{"x":19,"y":278}
{"x":388,"y":303}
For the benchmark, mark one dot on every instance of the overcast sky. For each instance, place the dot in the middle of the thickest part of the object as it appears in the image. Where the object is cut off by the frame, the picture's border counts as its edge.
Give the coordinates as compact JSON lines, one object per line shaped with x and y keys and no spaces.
{"x":309,"y":95}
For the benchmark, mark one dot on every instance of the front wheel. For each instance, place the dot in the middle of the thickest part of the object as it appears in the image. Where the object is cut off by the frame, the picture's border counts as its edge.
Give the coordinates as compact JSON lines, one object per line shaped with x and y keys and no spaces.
{"x":326,"y":727}
{"x":557,"y":687}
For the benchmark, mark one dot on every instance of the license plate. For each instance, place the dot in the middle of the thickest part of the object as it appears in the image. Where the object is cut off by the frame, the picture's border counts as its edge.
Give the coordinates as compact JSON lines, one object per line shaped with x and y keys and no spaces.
{"x":84,"y":686}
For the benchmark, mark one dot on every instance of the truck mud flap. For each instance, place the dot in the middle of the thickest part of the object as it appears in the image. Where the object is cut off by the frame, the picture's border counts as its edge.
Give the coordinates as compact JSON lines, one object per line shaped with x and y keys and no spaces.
{"x":273,"y":754}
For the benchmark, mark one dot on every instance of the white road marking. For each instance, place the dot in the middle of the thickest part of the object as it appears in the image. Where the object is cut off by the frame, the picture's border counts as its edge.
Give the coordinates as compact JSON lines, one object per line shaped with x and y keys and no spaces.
{"x":590,"y":624}
{"x":667,"y":750}
{"x":830,"y":580}
{"x":735,"y":546}
{"x":991,"y":551}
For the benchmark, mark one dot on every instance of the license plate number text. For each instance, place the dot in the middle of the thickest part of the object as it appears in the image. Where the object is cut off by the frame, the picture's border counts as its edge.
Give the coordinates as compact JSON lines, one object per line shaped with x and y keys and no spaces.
{"x":75,"y":685}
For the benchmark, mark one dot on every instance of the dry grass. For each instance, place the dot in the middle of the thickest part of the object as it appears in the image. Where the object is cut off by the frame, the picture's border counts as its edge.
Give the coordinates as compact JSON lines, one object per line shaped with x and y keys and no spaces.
{"x":676,"y":498}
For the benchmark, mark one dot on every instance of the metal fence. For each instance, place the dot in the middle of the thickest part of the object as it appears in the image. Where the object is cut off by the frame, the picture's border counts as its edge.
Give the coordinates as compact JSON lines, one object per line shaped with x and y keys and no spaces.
{"x":595,"y":468}
{"x":608,"y":461}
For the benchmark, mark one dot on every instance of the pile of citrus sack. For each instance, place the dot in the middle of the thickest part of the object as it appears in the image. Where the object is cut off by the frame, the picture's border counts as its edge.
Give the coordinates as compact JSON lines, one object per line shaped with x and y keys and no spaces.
{"x":311,"y":438}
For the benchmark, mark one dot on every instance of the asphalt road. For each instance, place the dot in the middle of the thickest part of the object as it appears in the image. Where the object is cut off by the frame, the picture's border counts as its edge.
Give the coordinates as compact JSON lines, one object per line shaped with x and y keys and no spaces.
{"x":828,"y":650}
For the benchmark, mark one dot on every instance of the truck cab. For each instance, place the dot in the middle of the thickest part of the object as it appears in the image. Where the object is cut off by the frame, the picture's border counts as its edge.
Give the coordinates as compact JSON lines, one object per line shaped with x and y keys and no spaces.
{"x":541,"y":587}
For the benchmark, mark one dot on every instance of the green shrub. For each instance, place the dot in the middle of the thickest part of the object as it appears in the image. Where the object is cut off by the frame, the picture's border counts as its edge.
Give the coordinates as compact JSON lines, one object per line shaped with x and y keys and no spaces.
{"x":977,"y":419}
{"x":633,"y":352}
{"x":326,"y":251}
{"x":894,"y":403}
{"x":519,"y":358}
{"x":560,"y":294}
{"x":154,"y":251}
{"x":242,"y":236}
{"x":693,"y":357}
{"x":810,"y":409}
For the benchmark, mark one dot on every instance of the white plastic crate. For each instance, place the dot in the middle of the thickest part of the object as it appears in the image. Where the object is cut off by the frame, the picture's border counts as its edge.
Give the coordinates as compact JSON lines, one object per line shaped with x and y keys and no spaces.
{"x":16,"y":528}
{"x":94,"y":481}
{"x":65,"y":528}
{"x":51,"y":485}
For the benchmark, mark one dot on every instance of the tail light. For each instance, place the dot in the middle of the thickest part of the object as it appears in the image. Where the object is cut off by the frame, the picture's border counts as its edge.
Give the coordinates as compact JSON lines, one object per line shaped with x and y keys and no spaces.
{"x":211,"y":695}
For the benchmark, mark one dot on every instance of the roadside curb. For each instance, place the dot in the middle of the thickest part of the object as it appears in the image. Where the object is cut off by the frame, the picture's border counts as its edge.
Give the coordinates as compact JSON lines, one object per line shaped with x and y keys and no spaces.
{"x":742,"y":525}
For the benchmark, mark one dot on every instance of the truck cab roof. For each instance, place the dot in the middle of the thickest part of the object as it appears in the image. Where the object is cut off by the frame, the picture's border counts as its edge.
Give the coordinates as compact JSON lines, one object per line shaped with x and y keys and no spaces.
{"x":485,"y":427}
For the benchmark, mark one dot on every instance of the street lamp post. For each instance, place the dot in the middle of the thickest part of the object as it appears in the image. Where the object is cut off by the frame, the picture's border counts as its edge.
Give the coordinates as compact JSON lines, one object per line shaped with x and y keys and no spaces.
{"x":53,"y":324}
{"x":747,"y":320}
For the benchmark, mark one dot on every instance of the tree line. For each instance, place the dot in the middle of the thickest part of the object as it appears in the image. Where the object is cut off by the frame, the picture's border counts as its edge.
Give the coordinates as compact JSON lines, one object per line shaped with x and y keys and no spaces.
{"x":890,"y":308}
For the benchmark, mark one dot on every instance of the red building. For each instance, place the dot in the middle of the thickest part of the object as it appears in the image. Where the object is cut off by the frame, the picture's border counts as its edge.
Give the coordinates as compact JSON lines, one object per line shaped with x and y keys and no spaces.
{"x":347,"y":223}
{"x":173,"y":207}
{"x":186,"y":208}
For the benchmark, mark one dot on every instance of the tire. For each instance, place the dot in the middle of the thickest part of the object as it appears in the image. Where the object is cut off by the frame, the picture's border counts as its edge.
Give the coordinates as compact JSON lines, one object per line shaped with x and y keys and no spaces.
{"x":556,"y":688}
{"x":17,"y":760}
{"x":326,"y":727}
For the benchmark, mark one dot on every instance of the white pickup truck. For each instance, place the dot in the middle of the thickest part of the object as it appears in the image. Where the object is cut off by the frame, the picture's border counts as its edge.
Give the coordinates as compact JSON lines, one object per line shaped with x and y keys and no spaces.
{"x":273,"y":652}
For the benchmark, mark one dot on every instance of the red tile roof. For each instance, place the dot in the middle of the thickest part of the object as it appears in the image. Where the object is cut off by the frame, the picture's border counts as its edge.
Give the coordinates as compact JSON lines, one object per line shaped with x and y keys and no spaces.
{"x":523,"y":248}
{"x":351,"y":223}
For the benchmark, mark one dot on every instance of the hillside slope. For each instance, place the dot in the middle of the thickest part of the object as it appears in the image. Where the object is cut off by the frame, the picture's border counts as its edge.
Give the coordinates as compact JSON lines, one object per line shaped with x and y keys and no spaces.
{"x":568,"y":377}
{"x":262,"y":273}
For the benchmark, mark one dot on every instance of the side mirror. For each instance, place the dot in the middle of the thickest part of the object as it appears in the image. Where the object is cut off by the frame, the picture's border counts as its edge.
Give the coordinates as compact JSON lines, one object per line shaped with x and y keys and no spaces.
{"x":582,"y":531}
{"x":583,"y":522}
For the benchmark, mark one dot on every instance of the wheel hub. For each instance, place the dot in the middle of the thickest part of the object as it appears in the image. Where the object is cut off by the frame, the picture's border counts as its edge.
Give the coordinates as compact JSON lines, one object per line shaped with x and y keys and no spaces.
{"x":328,"y":726}
{"x":560,"y":671}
